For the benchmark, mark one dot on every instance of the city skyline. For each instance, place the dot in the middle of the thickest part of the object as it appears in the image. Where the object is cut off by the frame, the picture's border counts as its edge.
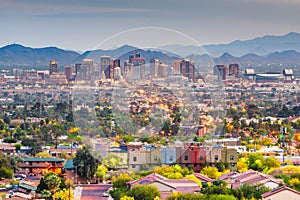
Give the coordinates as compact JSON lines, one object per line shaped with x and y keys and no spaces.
{"x":81,"y":25}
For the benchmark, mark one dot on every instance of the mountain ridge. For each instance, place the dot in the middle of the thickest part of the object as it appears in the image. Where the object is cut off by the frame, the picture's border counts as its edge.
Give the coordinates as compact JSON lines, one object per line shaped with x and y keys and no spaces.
{"x":19,"y":55}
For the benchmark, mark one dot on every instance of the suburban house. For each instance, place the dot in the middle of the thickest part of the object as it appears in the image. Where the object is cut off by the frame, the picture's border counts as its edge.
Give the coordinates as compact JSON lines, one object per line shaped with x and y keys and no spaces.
{"x":168,"y":155}
{"x":166,"y":186}
{"x":41,"y":165}
{"x":281,"y":193}
{"x":251,"y":177}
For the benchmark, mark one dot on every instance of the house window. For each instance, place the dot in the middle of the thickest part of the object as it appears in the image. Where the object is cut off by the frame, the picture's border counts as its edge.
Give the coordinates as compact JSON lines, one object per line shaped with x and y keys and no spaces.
{"x":216,"y":157}
{"x":231,"y":157}
{"x":201,"y":157}
{"x":134,"y":159}
{"x":155,"y":158}
{"x":171,"y":158}
{"x":133,"y":166}
{"x":186,"y":157}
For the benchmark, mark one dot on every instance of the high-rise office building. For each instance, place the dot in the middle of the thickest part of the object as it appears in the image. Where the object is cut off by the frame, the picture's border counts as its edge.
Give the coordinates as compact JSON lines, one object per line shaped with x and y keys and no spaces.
{"x":53,"y":67}
{"x":176,"y":66}
{"x":187,"y":68}
{"x":162,"y":70}
{"x":154,"y":65}
{"x":233,"y":70}
{"x":104,"y":63}
{"x":221,"y":71}
{"x":139,"y":65}
{"x":68,"y":72}
{"x":85,"y":70}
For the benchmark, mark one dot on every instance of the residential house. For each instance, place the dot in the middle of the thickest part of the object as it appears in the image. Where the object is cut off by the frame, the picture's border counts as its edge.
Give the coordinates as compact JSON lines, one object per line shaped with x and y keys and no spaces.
{"x":228,"y":177}
{"x":153,"y":157}
{"x":137,"y":159}
{"x":41,"y":165}
{"x":204,"y":179}
{"x":213,"y":154}
{"x":251,"y":177}
{"x":281,"y":193}
{"x":167,"y":186}
{"x":168,"y":155}
{"x":229,"y":156}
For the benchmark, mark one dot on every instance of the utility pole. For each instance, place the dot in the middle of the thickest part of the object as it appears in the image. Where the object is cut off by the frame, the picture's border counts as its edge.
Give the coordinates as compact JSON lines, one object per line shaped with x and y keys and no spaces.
{"x":283,"y":131}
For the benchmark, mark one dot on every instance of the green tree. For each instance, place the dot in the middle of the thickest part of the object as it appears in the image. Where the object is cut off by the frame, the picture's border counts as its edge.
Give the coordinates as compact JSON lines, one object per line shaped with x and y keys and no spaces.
{"x":101,"y":172}
{"x":112,"y":161}
{"x":255,"y":161}
{"x":271,"y":162}
{"x":86,"y":163}
{"x":145,"y":192}
{"x":6,"y":173}
{"x":52,"y":181}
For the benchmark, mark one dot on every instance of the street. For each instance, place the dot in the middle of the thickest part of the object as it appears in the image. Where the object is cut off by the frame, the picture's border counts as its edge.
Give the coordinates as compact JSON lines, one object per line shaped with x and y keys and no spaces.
{"x":92,"y":192}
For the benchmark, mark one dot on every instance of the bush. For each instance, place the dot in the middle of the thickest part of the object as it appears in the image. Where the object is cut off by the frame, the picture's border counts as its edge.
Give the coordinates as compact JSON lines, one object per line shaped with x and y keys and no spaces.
{"x":6,"y":173}
{"x":145,"y":192}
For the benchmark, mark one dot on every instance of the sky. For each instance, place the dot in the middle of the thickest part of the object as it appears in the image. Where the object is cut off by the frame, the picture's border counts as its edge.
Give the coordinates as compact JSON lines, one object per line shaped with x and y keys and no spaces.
{"x":88,"y":24}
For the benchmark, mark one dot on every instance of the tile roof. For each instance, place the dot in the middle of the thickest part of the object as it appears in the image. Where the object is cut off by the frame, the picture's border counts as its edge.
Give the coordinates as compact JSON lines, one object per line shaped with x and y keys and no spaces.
{"x":27,"y":187}
{"x":69,"y":164}
{"x":282,"y":188}
{"x":203,"y":178}
{"x":42,"y":160}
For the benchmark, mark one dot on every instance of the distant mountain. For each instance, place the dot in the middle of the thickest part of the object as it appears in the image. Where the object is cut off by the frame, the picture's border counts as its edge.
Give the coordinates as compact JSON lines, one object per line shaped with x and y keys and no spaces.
{"x":115,"y":53}
{"x":290,"y":57}
{"x":260,"y":46}
{"x":19,"y":55}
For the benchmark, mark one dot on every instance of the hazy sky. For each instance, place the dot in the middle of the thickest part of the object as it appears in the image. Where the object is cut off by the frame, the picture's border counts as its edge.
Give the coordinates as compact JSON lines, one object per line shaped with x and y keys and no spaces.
{"x":83,"y":24}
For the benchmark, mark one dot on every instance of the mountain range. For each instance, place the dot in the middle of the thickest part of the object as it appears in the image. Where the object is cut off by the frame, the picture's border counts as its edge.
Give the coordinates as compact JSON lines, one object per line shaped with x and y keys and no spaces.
{"x":258,"y":51}
{"x":260,"y":46}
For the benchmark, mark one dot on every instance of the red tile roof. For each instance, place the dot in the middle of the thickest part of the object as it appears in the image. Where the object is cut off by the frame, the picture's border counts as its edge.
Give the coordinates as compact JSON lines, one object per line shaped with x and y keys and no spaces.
{"x":282,"y":188}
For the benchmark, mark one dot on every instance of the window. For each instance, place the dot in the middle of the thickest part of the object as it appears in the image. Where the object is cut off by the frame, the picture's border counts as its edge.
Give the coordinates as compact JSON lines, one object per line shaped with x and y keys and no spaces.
{"x":134,"y":159}
{"x":186,"y":157}
{"x":155,"y":158}
{"x":201,"y":157}
{"x":216,"y":157}
{"x":231,"y":157}
{"x":171,"y":158}
{"x":133,"y":166}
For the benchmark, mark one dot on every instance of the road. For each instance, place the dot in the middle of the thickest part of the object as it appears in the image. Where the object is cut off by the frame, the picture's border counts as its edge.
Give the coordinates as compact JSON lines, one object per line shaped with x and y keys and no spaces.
{"x":93,"y":192}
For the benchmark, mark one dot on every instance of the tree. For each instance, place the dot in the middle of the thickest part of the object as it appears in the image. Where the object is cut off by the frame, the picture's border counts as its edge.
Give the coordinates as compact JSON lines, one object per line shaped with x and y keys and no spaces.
{"x":173,"y":171}
{"x":43,"y":154}
{"x":112,"y":161}
{"x":211,"y":172}
{"x":255,"y":161}
{"x":119,"y":186}
{"x":271,"y":162}
{"x":63,"y":195}
{"x":52,"y":181}
{"x":101,"y":172}
{"x":242,"y":165}
{"x":86,"y":163}
{"x":127,"y":198}
{"x":145,"y":192}
{"x":6,"y":173}
{"x":222,"y":197}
